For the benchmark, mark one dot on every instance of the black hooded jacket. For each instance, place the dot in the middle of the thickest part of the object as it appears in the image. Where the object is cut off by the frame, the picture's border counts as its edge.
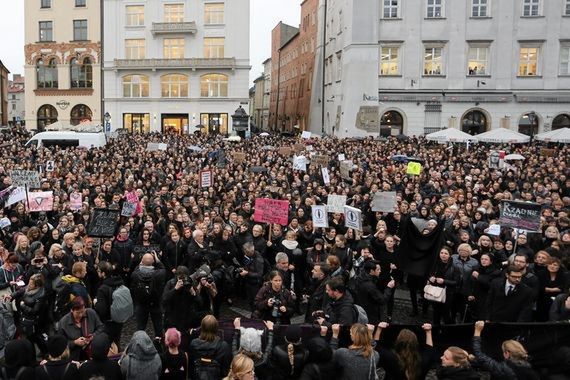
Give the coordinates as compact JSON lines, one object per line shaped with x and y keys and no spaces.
{"x":100,"y":365}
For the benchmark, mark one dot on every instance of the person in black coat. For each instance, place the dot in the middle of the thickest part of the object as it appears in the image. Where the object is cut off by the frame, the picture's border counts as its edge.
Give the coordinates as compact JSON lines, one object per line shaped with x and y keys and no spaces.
{"x":292,"y":351}
{"x":19,"y":360}
{"x":482,"y":279}
{"x":456,"y":365}
{"x":340,"y":310}
{"x":368,"y":295}
{"x":174,"y":253}
{"x":444,"y":275}
{"x":252,"y":273}
{"x":100,"y":365}
{"x":320,"y":362}
{"x":197,"y":251}
{"x":317,"y":297}
{"x":109,"y":282}
{"x":509,"y":300}
{"x":274,"y":302}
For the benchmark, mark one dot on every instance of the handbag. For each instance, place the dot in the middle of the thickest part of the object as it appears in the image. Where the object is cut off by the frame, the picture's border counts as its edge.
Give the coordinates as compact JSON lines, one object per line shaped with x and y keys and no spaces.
{"x":434,"y":293}
{"x":28,"y":325}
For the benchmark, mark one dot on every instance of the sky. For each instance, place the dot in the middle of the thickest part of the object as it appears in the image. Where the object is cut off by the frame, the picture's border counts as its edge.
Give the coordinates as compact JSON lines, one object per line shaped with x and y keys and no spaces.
{"x":264,"y":15}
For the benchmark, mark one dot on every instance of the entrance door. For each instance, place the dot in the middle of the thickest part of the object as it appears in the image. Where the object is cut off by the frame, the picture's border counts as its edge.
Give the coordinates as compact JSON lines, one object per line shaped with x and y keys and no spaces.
{"x":214,"y":123}
{"x":174,"y":123}
{"x":136,"y":122}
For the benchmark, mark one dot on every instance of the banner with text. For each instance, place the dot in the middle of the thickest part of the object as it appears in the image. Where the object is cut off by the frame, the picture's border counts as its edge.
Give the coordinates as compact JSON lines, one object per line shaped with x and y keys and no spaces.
{"x":384,"y":201}
{"x":22,"y":178}
{"x":353,"y":218}
{"x":525,"y":216}
{"x":320,"y":216}
{"x":40,"y":201}
{"x":335,"y":203}
{"x":271,"y":211}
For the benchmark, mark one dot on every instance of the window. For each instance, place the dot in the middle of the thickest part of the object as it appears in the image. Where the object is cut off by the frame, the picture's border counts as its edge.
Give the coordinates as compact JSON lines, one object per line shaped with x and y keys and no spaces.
{"x":389,"y":60}
{"x":531,"y":8}
{"x":174,"y":86}
{"x":391,"y":9}
{"x":214,"y":86}
{"x":80,"y":113}
{"x":565,"y":60}
{"x":214,"y":13}
{"x":47,"y":114}
{"x":80,"y":3}
{"x":173,"y":48}
{"x":338,"y":67}
{"x":135,"y":86}
{"x":480,"y":8}
{"x":81,"y":74}
{"x":434,"y":8}
{"x":45,"y":4}
{"x":80,"y":30}
{"x":433,"y":61}
{"x":46,"y":31}
{"x":135,"y":15}
{"x":478,"y":60}
{"x":173,"y":12}
{"x":135,"y":49}
{"x":528,"y":61}
{"x":567,"y":8}
{"x":46,"y":75}
{"x":214,"y":47}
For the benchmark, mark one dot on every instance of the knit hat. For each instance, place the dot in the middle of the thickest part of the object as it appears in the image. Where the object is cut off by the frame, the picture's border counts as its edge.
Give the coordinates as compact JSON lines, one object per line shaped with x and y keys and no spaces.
{"x":293,"y":334}
{"x":172,"y":337}
{"x":56,"y":345}
{"x":250,"y":339}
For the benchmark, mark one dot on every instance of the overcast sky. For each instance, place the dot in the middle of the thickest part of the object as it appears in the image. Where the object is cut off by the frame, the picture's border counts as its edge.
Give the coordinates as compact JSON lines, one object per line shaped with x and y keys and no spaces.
{"x":265,"y":14}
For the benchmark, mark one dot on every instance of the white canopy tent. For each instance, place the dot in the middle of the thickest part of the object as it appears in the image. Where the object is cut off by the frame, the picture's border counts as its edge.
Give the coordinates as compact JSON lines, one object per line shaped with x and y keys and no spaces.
{"x":503,"y":135}
{"x":561,"y":135}
{"x":450,"y":135}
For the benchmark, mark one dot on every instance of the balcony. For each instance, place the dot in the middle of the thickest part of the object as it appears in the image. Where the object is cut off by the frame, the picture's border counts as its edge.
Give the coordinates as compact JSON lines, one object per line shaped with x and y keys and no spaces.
{"x":183,"y":63}
{"x":173,"y":28}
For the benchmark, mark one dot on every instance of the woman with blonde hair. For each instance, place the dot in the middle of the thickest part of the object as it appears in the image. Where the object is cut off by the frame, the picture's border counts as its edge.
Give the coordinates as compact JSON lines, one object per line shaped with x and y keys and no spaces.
{"x":359,"y":360}
{"x":289,"y":359}
{"x":514,"y":367}
{"x":456,"y":365}
{"x":241,"y":368}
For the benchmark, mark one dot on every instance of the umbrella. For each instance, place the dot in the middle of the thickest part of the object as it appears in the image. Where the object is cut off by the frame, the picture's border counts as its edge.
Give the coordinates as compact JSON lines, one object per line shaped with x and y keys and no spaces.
{"x":195,"y":148}
{"x":267,"y":147}
{"x":416,"y":159}
{"x":233,"y":138}
{"x":399,"y":158}
{"x":402,"y":137}
{"x":264,"y":134}
{"x":503,"y":135}
{"x":561,"y":135}
{"x":514,"y":157}
{"x":450,"y":135}
{"x":200,"y":126}
{"x":258,"y":169}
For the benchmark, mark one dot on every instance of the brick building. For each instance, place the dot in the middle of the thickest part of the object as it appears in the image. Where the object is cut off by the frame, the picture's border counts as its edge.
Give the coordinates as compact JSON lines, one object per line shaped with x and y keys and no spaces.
{"x":293,"y":57}
{"x":3,"y":94}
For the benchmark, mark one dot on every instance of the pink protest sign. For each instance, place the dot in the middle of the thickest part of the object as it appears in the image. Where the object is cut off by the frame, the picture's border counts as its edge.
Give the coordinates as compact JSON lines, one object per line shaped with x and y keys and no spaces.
{"x":75,"y":201}
{"x":132,"y":197}
{"x":271,"y":211}
{"x":40,"y":201}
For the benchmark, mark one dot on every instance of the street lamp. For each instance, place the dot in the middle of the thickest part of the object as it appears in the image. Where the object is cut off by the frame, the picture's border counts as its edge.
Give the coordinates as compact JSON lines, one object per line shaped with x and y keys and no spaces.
{"x":107,"y":117}
{"x":531,"y":119}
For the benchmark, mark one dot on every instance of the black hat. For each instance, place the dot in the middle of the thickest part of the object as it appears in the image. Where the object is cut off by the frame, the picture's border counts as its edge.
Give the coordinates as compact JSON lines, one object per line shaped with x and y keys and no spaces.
{"x":56,"y":345}
{"x":293,"y":334}
{"x":319,"y":241}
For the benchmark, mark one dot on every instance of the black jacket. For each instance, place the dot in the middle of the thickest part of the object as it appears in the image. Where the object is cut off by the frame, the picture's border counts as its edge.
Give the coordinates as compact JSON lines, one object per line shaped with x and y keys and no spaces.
{"x":481,"y":287}
{"x":196,"y":255}
{"x":255,"y":266}
{"x":178,"y":306}
{"x":282,"y":365}
{"x":265,"y":312}
{"x":61,"y":369}
{"x":158,"y":275}
{"x":341,"y":311}
{"x":105,"y":297}
{"x":370,"y":298}
{"x":173,"y":255}
{"x":517,"y":307}
{"x":217,"y":350}
{"x":505,"y":370}
{"x":317,"y":299}
{"x":558,"y":310}
{"x":457,"y":373}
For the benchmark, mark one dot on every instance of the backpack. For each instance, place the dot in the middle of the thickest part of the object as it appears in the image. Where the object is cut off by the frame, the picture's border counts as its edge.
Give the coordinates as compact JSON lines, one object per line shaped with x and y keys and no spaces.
{"x":144,"y":289}
{"x":7,"y":325}
{"x":360,"y":314}
{"x":63,"y":298}
{"x":353,"y":284}
{"x":18,"y":374}
{"x":121,"y":305}
{"x":207,"y":369}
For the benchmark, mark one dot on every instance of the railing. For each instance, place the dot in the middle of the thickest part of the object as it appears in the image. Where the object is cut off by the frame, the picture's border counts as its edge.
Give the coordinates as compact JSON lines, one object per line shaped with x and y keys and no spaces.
{"x":173,"y":27}
{"x":183,"y":63}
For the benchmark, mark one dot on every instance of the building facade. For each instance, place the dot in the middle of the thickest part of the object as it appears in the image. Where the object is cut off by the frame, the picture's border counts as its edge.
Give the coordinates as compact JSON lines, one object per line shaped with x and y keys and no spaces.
{"x":293,"y":59}
{"x":171,"y":66}
{"x":62,"y":70}
{"x":416,"y":66}
{"x":16,"y":100}
{"x":3,"y":94}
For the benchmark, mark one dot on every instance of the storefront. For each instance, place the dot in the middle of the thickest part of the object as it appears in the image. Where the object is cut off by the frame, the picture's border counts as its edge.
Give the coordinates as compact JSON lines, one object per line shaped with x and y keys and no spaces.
{"x":136,"y":122}
{"x":174,"y":123}
{"x":214,"y":123}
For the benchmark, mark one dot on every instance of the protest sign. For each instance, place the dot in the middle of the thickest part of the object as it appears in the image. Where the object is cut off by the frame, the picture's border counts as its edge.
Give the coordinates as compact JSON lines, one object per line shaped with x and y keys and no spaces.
{"x":496,"y":159}
{"x":547,"y":152}
{"x":345,"y":168}
{"x":300,"y":163}
{"x":206,"y":178}
{"x":320,"y":159}
{"x":151,"y":147}
{"x":309,"y":148}
{"x":326,"y":177}
{"x":75,"y":201}
{"x":306,"y":135}
{"x":341,"y":157}
{"x":320,"y":216}
{"x":521,"y":215}
{"x":18,"y":194}
{"x":50,"y":166}
{"x":335,"y":203}
{"x":140,"y":250}
{"x":239,"y":157}
{"x":494,"y":229}
{"x":271,"y":211}
{"x":129,"y":209}
{"x":23,"y":178}
{"x":103,"y":223}
{"x":414,"y":168}
{"x":285,"y":150}
{"x":298,"y":148}
{"x":384,"y":201}
{"x":352,"y":218}
{"x":40,"y":201}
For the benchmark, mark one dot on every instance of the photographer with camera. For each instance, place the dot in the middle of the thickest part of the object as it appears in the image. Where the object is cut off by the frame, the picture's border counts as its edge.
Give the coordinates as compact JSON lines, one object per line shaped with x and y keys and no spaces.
{"x":205,"y":289}
{"x":178,"y":300}
{"x":147,"y":283}
{"x":273,"y":302}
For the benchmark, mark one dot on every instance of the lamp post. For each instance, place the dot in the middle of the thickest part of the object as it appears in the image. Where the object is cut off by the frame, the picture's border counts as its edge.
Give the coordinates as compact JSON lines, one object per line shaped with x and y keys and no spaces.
{"x":107,"y":117}
{"x":531,"y":119}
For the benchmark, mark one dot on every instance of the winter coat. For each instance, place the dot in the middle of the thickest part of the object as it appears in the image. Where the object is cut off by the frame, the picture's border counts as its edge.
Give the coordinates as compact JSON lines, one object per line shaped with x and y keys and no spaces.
{"x":481,"y":286}
{"x":141,"y":360}
{"x":353,"y":364}
{"x":255,"y":266}
{"x":217,"y":350}
{"x":558,"y":310}
{"x":100,"y":365}
{"x":263,"y":369}
{"x":341,"y":311}
{"x":505,"y":370}
{"x":173,"y":255}
{"x":282,"y":366}
{"x":57,"y":369}
{"x":105,"y":297}
{"x":465,"y":268}
{"x":196,"y":255}
{"x":516,"y":307}
{"x":91,"y":324}
{"x":6,"y":276}
{"x":457,"y":373}
{"x":370,"y":297}
{"x":158,"y":275}
{"x":178,"y":305}
{"x":266,"y":312}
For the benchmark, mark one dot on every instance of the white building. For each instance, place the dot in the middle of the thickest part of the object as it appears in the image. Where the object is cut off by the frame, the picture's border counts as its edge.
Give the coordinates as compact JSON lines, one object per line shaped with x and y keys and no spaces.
{"x":421,"y":65}
{"x":175,"y":64}
{"x":16,"y":100}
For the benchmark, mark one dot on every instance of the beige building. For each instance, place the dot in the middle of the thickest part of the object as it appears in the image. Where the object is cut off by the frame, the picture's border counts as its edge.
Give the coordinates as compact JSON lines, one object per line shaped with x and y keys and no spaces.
{"x":63,"y":54}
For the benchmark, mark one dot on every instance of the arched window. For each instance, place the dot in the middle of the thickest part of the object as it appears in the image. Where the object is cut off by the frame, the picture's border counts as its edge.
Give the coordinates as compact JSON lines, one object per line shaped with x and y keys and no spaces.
{"x":81,"y":73}
{"x":391,"y":124}
{"x":214,"y":86}
{"x":174,"y":86}
{"x":80,"y":113}
{"x":561,"y":121}
{"x":46,"y":74}
{"x":47,"y":114}
{"x":474,"y":122}
{"x":528,"y":124}
{"x":135,"y":86}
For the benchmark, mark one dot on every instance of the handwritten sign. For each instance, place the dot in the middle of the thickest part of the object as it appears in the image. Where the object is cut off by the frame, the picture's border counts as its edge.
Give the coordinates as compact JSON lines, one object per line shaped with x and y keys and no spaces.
{"x":40,"y":201}
{"x":300,"y":163}
{"x":326,"y":177}
{"x":129,"y":209}
{"x":151,"y":147}
{"x":239,"y":157}
{"x":75,"y":201}
{"x":353,"y":218}
{"x":103,"y":223}
{"x":320,"y":216}
{"x":335,"y":203}
{"x":321,"y":159}
{"x":341,"y":157}
{"x":306,"y":135}
{"x":414,"y":168}
{"x":23,"y":178}
{"x":271,"y":211}
{"x":206,"y":178}
{"x":384,"y":201}
{"x":345,"y":168}
{"x":521,"y":215}
{"x":285,"y":151}
{"x":298,"y":148}
{"x":18,"y":194}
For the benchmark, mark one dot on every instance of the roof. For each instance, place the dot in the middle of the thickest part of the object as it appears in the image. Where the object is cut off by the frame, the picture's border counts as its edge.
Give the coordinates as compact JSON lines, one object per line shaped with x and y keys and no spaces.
{"x":4,"y":67}
{"x":267,"y":60}
{"x":15,"y":89}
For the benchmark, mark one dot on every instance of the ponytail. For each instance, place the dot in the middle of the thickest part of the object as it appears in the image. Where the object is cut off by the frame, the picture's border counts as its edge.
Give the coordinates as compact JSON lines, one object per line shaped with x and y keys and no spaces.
{"x":291,"y":355}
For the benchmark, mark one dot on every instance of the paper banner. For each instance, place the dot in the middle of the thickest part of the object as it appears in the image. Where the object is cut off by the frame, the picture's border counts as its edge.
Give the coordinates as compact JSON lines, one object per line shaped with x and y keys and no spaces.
{"x":21,"y":178}
{"x":285,"y":151}
{"x":414,"y":168}
{"x":384,"y":201}
{"x":496,"y":159}
{"x":75,"y":201}
{"x":353,"y":218}
{"x":521,"y":215}
{"x":271,"y":211}
{"x":306,"y":135}
{"x":206,"y":178}
{"x":17,"y":195}
{"x":300,"y":163}
{"x":326,"y":177}
{"x":40,"y":201}
{"x":129,"y":209}
{"x":320,"y":216}
{"x":335,"y":203}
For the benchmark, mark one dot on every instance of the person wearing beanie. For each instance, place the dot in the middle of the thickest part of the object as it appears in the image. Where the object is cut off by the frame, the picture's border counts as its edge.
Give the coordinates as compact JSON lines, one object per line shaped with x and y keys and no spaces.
{"x":59,"y":364}
{"x":140,"y":360}
{"x":100,"y":365}
{"x":289,"y":359}
{"x":19,"y":360}
{"x":174,"y":361}
{"x":247,"y":341}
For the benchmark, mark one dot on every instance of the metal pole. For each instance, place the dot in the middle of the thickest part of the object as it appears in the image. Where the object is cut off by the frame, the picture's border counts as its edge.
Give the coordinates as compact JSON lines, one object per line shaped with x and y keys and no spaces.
{"x":324,"y":71}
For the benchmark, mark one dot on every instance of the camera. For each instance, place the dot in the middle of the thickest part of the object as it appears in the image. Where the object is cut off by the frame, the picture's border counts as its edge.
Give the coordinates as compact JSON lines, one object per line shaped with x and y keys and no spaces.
{"x":275,"y":313}
{"x":186,"y":281}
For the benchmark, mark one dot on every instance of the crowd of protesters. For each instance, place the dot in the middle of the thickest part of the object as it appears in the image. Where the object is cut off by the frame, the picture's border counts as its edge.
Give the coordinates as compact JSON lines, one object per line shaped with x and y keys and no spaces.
{"x":187,"y":251}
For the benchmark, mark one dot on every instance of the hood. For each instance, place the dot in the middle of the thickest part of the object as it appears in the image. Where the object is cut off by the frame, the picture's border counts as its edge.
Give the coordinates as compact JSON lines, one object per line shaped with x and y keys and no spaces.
{"x":204,"y":348}
{"x":100,"y":346}
{"x":113,"y":281}
{"x":319,"y":350}
{"x":141,"y":346}
{"x":290,"y":244}
{"x":70,"y":279}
